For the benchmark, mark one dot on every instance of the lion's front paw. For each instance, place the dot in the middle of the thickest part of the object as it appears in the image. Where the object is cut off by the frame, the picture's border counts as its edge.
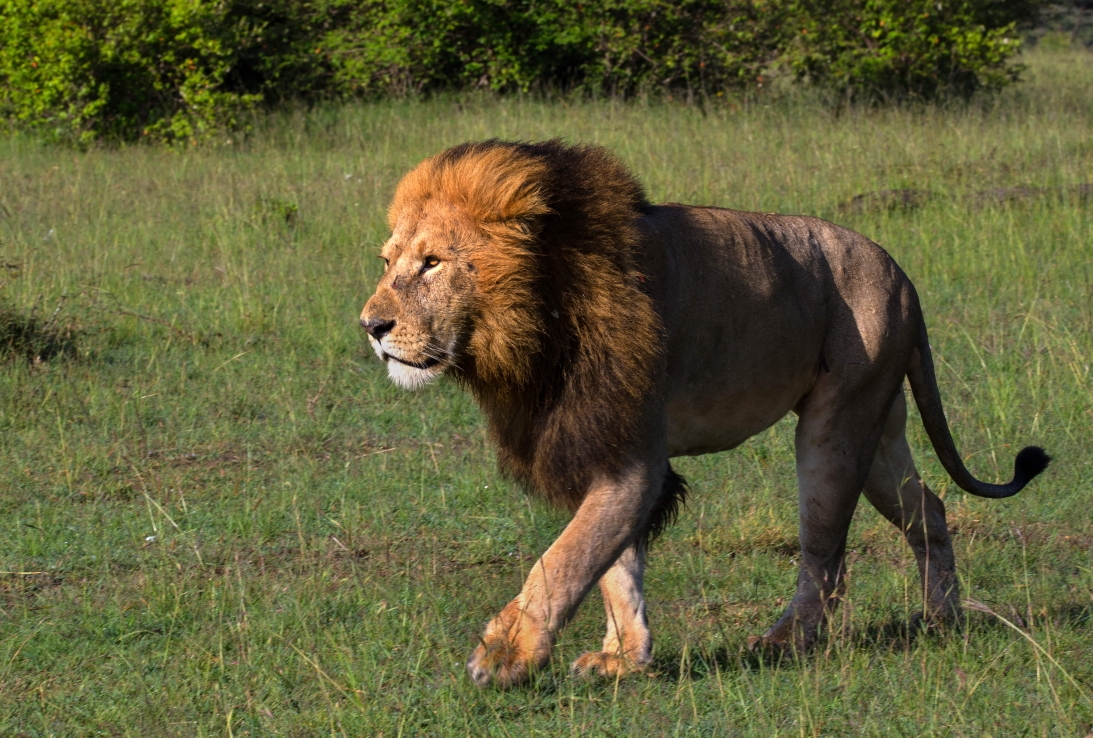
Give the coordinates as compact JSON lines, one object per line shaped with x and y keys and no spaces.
{"x":515,"y":644}
{"x":605,"y":664}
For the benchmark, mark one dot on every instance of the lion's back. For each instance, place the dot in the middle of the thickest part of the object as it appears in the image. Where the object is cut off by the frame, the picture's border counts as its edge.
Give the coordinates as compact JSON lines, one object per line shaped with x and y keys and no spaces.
{"x":753,"y":304}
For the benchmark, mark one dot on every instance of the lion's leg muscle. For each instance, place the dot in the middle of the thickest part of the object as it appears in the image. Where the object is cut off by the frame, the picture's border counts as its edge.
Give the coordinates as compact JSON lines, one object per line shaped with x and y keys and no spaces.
{"x":606,"y":524}
{"x":628,"y":643}
{"x":895,"y":489}
{"x":835,"y":440}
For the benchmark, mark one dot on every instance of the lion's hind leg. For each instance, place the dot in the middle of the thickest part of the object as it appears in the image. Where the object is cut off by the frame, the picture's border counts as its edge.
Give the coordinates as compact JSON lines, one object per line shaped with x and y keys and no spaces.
{"x":837,"y":433}
{"x":895,"y":489}
{"x":627,"y":647}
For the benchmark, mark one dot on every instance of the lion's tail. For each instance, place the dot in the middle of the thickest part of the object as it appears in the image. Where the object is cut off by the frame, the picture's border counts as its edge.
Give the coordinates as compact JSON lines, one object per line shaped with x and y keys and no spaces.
{"x":1030,"y":461}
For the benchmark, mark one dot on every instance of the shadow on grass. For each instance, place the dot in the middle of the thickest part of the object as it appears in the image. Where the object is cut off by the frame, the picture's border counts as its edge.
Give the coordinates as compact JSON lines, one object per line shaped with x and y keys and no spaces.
{"x":894,"y":636}
{"x":27,"y":335}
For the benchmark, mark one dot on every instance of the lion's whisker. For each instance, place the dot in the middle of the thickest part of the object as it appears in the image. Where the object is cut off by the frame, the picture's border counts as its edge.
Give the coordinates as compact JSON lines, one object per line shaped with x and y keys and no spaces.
{"x":434,"y":352}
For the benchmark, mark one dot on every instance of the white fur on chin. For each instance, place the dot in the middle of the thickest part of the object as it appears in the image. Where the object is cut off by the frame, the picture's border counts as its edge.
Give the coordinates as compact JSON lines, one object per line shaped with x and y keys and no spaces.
{"x":377,"y":347}
{"x":409,"y":377}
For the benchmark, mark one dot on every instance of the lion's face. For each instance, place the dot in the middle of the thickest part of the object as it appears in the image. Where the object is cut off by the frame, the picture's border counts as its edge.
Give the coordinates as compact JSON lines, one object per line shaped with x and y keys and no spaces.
{"x":420,"y":317}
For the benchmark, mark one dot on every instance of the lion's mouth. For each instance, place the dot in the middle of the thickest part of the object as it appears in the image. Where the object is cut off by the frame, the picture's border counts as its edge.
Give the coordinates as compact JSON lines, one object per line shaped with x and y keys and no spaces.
{"x":427,"y":364}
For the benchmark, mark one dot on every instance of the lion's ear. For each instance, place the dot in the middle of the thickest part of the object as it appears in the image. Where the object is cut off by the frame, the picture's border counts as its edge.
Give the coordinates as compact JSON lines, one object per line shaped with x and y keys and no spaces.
{"x":513,"y":195}
{"x":527,"y":225}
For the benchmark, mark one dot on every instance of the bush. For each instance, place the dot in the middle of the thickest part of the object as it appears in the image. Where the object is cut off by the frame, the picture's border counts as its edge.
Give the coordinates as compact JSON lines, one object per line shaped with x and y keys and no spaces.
{"x":919,"y":48}
{"x":77,"y":70}
{"x":621,"y":47}
{"x":180,"y":70}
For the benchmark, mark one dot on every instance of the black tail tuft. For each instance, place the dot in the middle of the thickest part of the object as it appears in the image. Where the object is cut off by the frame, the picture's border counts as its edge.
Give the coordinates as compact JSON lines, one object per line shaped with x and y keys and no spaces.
{"x":673,"y":493}
{"x":1029,"y":462}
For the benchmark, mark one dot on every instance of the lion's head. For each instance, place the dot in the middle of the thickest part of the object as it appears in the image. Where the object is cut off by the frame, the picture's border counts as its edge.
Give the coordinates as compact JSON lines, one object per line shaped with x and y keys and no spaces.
{"x":513,"y":268}
{"x":458,"y":287}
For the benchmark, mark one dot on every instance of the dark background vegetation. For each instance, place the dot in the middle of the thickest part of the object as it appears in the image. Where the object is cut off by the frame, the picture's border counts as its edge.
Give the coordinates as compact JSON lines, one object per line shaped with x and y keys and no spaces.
{"x":179,"y":70}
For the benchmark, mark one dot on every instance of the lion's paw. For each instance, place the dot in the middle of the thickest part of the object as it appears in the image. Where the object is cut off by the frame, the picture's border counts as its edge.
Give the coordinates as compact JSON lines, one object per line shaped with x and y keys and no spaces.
{"x":605,"y":664}
{"x":776,"y":647}
{"x":795,"y":633}
{"x":514,"y":645}
{"x":762,"y":644}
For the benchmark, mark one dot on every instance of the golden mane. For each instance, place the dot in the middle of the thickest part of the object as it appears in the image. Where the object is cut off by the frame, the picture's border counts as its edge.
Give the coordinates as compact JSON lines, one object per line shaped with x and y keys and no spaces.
{"x":566,"y":342}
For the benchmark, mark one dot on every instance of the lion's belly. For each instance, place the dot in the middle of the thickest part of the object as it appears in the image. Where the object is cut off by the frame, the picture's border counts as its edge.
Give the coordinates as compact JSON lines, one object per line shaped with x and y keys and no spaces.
{"x":708,"y":419}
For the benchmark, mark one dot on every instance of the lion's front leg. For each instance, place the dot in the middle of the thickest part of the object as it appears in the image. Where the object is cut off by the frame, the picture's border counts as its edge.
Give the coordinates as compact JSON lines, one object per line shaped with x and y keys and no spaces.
{"x":627,"y":647}
{"x":519,"y":640}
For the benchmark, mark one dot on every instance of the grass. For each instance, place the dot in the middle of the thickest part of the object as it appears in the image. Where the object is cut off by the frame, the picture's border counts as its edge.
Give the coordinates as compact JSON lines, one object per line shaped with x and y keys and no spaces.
{"x":219,"y":518}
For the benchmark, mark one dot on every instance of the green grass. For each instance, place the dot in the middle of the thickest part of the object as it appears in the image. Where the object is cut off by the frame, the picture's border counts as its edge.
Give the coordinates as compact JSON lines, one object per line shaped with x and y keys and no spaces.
{"x":219,"y":518}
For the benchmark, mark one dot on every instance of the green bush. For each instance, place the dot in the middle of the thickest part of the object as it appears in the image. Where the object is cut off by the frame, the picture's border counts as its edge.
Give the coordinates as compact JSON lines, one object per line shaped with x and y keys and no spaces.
{"x":615,"y":47}
{"x":621,"y":47}
{"x":920,"y":48}
{"x":77,"y":70}
{"x":181,"y":70}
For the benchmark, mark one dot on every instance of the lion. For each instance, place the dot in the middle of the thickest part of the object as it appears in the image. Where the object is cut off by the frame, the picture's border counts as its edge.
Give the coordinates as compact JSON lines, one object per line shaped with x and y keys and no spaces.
{"x":602,"y":336}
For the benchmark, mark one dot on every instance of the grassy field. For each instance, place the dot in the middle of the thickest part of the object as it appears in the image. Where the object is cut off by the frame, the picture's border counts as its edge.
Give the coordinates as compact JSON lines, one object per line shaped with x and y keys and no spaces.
{"x":219,"y":518}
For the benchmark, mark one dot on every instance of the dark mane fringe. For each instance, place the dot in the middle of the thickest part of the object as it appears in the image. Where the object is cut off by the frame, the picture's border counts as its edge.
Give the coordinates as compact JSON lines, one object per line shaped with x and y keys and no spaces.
{"x":567,"y":343}
{"x":673,"y":494}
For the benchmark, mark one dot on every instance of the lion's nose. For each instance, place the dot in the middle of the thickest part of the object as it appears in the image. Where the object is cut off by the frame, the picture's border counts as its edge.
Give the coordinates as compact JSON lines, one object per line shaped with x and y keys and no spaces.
{"x":377,"y":327}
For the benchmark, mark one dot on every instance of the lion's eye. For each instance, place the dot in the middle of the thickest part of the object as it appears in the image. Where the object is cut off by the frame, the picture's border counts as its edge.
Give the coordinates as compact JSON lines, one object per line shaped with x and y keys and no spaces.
{"x":386,"y":262}
{"x":429,"y":262}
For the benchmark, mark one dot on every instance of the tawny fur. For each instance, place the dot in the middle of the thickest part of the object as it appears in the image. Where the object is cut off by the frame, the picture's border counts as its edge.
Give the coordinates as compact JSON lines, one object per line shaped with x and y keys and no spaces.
{"x":602,"y":336}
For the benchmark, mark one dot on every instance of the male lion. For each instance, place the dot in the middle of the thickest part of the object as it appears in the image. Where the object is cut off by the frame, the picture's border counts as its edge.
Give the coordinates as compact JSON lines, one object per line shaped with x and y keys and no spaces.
{"x":602,"y":335}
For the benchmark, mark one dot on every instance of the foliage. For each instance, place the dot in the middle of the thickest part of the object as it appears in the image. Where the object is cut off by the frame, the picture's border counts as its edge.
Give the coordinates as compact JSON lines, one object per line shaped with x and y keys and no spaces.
{"x":1064,"y":23}
{"x":914,"y":47}
{"x":628,"y":46}
{"x":80,"y":69}
{"x":182,"y":70}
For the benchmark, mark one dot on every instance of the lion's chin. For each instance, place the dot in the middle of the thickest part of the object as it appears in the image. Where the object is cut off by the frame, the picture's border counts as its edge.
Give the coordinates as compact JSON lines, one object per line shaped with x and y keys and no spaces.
{"x":411,"y":377}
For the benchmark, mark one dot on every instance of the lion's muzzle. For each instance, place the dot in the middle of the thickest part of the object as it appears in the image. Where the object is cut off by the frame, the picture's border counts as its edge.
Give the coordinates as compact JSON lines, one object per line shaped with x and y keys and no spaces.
{"x":377,"y":327}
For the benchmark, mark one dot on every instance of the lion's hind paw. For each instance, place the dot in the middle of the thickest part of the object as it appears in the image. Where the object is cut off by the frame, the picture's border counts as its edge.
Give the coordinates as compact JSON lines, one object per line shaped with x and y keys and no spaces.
{"x":604,"y":664}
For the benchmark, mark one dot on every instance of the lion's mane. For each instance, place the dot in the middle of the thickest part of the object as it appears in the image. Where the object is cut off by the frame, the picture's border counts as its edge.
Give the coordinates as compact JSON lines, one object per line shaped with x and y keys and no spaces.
{"x":567,"y":342}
